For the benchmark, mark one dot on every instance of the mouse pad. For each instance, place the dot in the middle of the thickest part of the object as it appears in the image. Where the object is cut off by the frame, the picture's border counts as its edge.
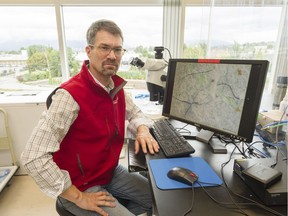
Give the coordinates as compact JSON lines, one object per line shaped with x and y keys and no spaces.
{"x":160,"y":168}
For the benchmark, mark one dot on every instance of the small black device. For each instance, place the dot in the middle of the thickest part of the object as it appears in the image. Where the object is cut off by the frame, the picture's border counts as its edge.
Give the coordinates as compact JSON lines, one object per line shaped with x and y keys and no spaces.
{"x":276,"y":193}
{"x":183,"y":175}
{"x":262,"y":174}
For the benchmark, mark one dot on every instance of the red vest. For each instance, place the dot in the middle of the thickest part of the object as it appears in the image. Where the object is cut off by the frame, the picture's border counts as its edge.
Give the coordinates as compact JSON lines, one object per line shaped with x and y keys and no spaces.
{"x":90,"y":150}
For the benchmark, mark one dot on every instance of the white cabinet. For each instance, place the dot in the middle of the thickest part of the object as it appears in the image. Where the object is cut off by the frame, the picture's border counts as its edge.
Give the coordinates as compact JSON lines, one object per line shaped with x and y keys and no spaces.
{"x":23,"y":115}
{"x":6,"y":172}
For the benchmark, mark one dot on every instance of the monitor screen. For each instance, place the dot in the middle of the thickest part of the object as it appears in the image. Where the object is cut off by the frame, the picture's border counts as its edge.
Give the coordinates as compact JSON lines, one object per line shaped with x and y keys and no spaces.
{"x":222,"y":96}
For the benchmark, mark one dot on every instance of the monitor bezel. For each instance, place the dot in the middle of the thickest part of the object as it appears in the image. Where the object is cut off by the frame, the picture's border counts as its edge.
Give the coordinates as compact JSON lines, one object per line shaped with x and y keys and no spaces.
{"x":252,"y":102}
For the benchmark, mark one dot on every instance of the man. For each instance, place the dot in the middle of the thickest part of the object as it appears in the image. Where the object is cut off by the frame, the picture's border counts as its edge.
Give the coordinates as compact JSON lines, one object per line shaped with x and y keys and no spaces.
{"x":73,"y":152}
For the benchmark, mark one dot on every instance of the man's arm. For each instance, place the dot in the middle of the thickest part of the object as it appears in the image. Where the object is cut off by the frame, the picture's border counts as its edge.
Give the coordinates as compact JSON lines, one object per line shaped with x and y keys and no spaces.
{"x":45,"y":139}
{"x":37,"y":156}
{"x":139,"y":124}
{"x":146,"y":141}
{"x":89,"y":201}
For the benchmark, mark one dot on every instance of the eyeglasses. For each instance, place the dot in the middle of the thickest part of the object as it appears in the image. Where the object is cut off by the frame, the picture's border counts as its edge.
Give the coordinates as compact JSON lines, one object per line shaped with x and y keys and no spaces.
{"x":106,"y":50}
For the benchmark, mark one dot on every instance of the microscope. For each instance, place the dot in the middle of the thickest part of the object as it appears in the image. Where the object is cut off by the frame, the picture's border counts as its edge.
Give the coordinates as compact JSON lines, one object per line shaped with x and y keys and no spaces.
{"x":155,"y":76}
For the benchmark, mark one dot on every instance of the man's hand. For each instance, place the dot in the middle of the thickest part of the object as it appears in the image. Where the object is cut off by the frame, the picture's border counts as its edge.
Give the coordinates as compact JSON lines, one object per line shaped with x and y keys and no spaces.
{"x":90,"y":201}
{"x":145,"y":140}
{"x":94,"y":201}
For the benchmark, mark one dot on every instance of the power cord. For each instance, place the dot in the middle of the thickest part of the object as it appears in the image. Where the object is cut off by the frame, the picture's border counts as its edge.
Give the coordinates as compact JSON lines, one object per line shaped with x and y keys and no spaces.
{"x":225,"y":184}
{"x":192,"y":202}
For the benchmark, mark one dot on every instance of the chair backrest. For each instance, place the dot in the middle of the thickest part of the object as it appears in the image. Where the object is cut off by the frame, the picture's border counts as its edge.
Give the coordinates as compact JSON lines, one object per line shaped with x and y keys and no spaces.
{"x":49,"y":98}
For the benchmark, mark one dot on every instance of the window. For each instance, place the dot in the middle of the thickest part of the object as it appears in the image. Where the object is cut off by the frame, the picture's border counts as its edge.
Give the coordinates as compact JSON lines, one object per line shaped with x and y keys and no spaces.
{"x":30,"y":57}
{"x":28,"y":48}
{"x":231,"y":32}
{"x":141,"y":26}
{"x":235,"y":31}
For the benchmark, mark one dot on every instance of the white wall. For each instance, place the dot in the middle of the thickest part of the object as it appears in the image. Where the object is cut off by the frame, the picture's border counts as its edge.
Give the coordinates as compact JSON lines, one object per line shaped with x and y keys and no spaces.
{"x":22,"y":118}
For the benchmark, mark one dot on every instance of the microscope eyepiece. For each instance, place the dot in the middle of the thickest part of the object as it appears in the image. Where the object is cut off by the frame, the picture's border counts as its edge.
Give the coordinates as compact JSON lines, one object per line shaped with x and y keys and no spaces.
{"x":136,"y":62}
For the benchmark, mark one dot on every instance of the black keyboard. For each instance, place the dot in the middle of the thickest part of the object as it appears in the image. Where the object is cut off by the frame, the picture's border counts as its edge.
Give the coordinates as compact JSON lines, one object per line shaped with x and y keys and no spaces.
{"x":170,"y":140}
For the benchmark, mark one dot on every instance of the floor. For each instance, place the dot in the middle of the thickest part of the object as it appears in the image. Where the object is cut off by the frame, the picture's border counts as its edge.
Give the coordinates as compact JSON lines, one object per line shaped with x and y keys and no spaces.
{"x":23,"y":198}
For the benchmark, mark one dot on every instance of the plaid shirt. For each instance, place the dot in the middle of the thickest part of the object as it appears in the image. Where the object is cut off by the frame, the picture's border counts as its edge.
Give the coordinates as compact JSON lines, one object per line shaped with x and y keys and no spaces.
{"x":50,"y":131}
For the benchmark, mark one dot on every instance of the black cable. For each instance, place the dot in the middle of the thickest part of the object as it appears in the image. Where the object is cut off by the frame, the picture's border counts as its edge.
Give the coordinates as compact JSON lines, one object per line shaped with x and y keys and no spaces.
{"x":258,"y":204}
{"x":237,"y":147}
{"x":210,"y":196}
{"x":183,"y":129}
{"x":250,"y":148}
{"x":228,"y":190}
{"x":168,"y":52}
{"x":253,"y":203}
{"x":192,"y":202}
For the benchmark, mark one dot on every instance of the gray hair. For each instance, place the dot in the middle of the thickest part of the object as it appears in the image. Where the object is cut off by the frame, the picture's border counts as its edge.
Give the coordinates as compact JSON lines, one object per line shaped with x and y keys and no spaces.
{"x":100,"y":25}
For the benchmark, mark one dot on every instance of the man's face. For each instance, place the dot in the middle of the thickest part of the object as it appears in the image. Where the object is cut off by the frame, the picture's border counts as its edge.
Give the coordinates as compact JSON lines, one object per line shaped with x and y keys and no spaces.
{"x":103,"y":62}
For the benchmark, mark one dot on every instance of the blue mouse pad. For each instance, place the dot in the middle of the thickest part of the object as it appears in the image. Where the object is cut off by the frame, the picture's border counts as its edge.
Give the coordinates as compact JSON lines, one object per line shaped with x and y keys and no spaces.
{"x":160,"y":168}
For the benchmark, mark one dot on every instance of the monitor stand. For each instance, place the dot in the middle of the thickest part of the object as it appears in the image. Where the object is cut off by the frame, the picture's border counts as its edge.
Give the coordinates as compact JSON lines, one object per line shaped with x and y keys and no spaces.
{"x":206,"y":136}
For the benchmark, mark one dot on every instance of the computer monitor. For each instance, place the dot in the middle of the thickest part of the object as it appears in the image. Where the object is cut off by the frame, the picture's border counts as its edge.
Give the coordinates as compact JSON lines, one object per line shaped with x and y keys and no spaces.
{"x":216,"y":95}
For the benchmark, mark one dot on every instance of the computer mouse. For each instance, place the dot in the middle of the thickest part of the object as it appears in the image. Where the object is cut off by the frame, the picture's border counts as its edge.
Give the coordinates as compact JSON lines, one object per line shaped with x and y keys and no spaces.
{"x":183,"y":175}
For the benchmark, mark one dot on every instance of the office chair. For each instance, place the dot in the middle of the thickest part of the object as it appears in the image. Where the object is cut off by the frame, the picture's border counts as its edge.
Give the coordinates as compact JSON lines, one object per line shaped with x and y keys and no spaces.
{"x":61,"y":209}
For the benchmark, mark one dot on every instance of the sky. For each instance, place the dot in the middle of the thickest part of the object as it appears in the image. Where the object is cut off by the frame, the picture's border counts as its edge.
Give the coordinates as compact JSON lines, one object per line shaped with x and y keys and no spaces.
{"x":140,"y":25}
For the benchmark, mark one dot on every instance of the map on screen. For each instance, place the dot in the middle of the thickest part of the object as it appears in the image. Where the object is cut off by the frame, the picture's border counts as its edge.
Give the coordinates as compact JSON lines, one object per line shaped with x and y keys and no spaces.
{"x":217,"y":97}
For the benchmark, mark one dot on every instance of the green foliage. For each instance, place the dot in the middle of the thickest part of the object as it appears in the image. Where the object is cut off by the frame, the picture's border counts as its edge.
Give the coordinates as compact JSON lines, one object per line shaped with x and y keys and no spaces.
{"x":132,"y":73}
{"x":144,"y":52}
{"x":47,"y":59}
{"x":36,"y":61}
{"x":233,"y":51}
{"x":73,"y":64}
{"x":197,"y":51}
{"x":35,"y":49}
{"x":54,"y":63}
{"x":36,"y":75}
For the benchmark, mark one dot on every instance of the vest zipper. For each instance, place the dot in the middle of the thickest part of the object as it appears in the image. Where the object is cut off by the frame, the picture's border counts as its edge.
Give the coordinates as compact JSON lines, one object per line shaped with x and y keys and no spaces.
{"x":116,"y":126}
{"x":112,"y":95}
{"x":117,"y":130}
{"x":110,"y":141}
{"x":80,"y":165}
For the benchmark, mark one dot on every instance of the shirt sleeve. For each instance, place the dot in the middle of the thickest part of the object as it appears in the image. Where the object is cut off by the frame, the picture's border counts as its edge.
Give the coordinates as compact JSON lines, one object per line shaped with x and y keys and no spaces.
{"x":45,"y":139}
{"x":135,"y":116}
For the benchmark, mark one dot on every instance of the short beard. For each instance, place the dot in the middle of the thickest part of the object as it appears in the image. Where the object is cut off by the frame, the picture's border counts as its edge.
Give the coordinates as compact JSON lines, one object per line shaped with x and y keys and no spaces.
{"x":110,"y":72}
